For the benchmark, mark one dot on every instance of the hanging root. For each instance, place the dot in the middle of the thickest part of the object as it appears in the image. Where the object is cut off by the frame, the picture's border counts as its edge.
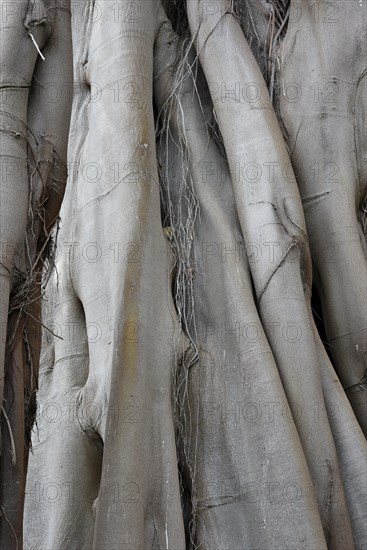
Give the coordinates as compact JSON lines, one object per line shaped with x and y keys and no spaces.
{"x":45,"y":179}
{"x":180,"y":205}
{"x":37,"y":47}
{"x":264,"y":24}
{"x":181,"y":213}
{"x":11,"y":437}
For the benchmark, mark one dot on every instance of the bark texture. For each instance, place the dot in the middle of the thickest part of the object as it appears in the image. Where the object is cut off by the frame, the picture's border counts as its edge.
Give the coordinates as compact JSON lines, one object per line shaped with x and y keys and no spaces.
{"x":33,"y":138}
{"x":215,"y":170}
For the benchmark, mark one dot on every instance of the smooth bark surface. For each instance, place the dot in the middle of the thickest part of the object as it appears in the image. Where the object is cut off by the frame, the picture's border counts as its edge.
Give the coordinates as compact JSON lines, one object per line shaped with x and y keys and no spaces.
{"x":114,"y":278}
{"x":325,"y":62}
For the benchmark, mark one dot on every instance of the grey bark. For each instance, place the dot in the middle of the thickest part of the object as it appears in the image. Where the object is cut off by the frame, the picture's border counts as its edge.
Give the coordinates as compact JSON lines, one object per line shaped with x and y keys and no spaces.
{"x":185,"y":398}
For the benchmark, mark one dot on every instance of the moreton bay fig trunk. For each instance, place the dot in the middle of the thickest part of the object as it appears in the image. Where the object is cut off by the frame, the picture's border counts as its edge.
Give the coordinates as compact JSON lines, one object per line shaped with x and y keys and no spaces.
{"x":115,"y":359}
{"x":33,"y":142}
{"x":183,"y":275}
{"x":325,"y":125}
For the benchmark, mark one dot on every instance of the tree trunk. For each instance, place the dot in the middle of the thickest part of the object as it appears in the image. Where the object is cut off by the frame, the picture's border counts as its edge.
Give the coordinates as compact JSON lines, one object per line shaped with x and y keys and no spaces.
{"x":216,"y":184}
{"x":34,"y":135}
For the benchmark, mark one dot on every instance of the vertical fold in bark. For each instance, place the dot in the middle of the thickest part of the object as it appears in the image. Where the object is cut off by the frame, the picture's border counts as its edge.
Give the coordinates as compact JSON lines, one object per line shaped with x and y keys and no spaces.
{"x":270,"y":212}
{"x":117,"y":274}
{"x":233,"y":438}
{"x":322,"y":77}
